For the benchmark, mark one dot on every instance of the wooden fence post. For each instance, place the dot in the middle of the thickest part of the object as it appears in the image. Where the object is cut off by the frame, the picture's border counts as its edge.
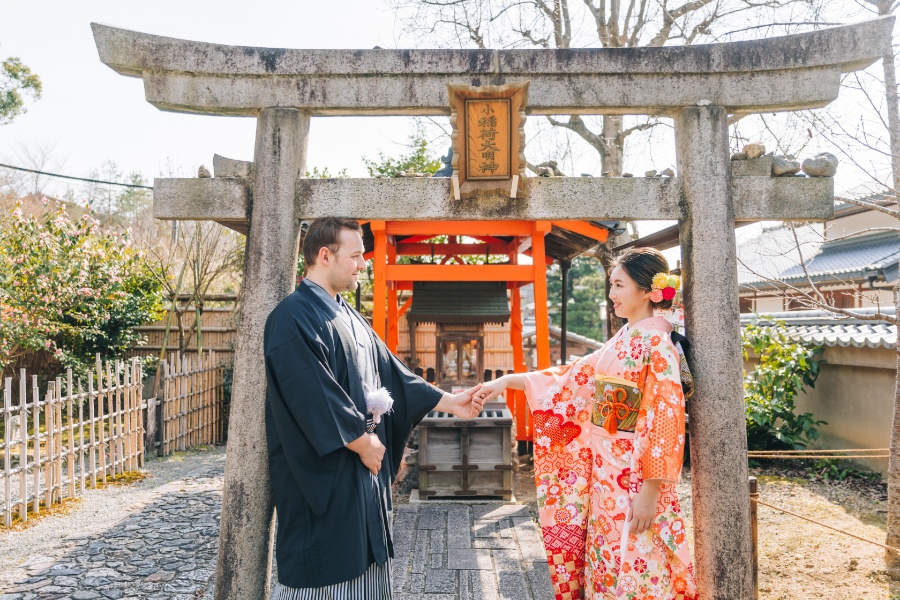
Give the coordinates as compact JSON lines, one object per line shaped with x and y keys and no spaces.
{"x":36,"y":438}
{"x":92,"y":430}
{"x":23,"y":451}
{"x":163,"y":408}
{"x":82,"y":457}
{"x":70,"y":461}
{"x":7,"y":413}
{"x":48,"y":424}
{"x":58,"y":444}
{"x":754,"y":536}
{"x":101,"y":422}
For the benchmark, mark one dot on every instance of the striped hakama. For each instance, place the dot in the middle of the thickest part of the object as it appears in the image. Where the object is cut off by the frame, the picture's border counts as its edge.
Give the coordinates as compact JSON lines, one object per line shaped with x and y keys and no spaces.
{"x":373,"y":584}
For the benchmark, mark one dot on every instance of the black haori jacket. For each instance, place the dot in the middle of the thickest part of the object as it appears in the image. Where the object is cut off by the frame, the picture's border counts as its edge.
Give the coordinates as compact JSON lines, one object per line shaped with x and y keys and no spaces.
{"x":332,"y":512}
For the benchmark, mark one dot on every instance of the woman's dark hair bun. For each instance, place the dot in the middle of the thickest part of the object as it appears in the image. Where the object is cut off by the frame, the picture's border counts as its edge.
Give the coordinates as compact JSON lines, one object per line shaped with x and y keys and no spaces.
{"x":642,"y":264}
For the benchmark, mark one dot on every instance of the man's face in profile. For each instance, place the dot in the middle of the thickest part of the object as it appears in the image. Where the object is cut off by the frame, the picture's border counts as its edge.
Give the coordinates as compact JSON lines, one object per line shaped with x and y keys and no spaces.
{"x":347,"y":262}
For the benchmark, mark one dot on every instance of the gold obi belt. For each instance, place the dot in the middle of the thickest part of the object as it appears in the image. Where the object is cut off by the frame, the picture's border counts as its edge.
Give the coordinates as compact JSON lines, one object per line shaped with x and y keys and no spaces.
{"x":616,"y":404}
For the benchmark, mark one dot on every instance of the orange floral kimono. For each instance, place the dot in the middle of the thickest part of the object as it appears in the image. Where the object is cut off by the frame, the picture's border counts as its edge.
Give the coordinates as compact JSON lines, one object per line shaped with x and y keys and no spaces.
{"x":587,"y":474}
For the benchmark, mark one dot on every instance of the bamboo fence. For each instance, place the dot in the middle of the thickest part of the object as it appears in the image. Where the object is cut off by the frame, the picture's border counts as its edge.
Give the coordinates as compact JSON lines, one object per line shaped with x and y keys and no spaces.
{"x":76,"y":437}
{"x":72,"y":437}
{"x":193,"y":392}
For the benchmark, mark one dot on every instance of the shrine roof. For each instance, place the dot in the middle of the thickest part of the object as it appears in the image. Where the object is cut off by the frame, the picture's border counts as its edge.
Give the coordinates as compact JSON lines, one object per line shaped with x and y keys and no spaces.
{"x":459,"y":302}
{"x":560,"y":244}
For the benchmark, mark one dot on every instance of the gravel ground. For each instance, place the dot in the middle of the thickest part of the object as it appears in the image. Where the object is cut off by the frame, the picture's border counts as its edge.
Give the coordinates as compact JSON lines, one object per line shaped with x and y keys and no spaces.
{"x":25,"y":553}
{"x":797,"y":559}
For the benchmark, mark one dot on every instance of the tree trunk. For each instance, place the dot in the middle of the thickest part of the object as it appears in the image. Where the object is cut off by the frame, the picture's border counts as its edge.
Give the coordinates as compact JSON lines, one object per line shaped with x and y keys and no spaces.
{"x":893,"y":524}
{"x":611,"y":161}
{"x":605,"y":254}
{"x":893,"y":520}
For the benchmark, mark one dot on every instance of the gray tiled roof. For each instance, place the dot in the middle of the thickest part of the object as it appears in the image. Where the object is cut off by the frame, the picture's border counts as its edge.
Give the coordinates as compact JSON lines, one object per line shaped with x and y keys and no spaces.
{"x":459,"y":302}
{"x":855,"y":255}
{"x":773,"y":255}
{"x":824,"y":329}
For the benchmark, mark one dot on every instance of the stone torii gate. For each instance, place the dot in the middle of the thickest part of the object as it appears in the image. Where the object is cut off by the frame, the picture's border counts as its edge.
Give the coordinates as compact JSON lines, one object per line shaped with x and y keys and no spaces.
{"x":699,"y":86}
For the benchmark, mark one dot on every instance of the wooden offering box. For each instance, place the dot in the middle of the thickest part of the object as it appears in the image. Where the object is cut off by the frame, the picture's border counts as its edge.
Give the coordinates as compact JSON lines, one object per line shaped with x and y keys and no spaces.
{"x":466,"y":457}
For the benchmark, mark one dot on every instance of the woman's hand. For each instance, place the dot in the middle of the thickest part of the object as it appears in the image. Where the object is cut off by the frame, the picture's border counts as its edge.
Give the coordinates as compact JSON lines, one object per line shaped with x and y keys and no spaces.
{"x":643,"y":507}
{"x":492,"y":389}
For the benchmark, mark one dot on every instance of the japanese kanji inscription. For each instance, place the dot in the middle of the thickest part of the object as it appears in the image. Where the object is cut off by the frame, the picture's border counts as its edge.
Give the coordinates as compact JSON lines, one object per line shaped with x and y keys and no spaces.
{"x":488,"y":139}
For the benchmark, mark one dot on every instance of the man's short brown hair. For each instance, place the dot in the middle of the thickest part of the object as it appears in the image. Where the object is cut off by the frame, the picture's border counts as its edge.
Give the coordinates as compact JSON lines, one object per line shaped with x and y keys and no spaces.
{"x":325,"y":232}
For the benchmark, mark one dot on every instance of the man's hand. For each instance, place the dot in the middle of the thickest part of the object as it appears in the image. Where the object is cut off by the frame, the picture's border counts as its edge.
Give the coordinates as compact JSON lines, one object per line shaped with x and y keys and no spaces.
{"x":465,"y":404}
{"x":370,"y":450}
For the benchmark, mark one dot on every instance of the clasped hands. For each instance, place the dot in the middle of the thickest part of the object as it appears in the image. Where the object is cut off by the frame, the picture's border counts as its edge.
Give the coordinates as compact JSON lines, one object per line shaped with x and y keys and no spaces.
{"x":465,"y":405}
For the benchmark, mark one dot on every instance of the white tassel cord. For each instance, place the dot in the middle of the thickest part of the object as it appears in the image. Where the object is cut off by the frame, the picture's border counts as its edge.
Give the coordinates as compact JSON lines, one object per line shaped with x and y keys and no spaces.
{"x":378,"y":402}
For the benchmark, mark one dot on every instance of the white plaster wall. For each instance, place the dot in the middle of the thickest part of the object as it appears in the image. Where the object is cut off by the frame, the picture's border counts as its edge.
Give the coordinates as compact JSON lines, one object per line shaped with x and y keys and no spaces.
{"x":854,"y":394}
{"x":769,"y":305}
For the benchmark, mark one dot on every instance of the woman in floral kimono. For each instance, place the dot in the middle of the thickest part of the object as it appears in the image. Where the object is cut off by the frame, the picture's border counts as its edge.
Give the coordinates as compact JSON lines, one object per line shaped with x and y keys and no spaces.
{"x":608,"y":449}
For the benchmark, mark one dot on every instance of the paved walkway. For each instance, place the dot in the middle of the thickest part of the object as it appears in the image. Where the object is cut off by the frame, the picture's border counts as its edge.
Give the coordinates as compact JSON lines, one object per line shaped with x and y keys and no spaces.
{"x":477,"y":552}
{"x":166,"y":549}
{"x":162,"y":545}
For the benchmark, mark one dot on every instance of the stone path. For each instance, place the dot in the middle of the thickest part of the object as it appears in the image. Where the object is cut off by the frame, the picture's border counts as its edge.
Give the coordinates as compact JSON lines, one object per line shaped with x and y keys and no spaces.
{"x":166,"y":549}
{"x":468,"y":552}
{"x":163,"y":546}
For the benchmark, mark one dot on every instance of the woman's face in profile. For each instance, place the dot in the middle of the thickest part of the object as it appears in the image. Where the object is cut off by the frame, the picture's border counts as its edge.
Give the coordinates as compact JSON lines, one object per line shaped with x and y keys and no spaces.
{"x":627,"y":298}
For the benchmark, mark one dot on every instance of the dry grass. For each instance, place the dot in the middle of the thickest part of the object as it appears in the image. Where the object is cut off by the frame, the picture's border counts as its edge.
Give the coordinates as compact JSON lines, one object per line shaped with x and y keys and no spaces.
{"x":68,"y":504}
{"x":55,"y":510}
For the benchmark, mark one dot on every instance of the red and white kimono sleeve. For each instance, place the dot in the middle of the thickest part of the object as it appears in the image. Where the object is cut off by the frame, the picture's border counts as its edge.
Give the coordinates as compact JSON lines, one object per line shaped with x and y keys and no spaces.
{"x":561,"y":402}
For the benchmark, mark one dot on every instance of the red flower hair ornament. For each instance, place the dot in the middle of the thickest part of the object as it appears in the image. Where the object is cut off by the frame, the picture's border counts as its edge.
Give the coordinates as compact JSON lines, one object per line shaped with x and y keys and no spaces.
{"x":664,"y":287}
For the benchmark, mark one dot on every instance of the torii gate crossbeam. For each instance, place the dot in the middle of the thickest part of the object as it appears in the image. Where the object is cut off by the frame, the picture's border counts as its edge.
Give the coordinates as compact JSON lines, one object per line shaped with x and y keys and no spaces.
{"x":699,"y":86}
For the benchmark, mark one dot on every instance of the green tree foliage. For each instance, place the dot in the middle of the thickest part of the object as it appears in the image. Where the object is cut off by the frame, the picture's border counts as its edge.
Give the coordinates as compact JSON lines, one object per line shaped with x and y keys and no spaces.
{"x":16,"y":79}
{"x":586,"y":291}
{"x":69,"y":290}
{"x":784,"y":369}
{"x":419,"y":159}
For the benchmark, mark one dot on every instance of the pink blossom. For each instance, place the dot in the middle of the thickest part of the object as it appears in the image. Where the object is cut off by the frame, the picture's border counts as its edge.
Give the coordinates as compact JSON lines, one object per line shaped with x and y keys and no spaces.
{"x":47,"y":344}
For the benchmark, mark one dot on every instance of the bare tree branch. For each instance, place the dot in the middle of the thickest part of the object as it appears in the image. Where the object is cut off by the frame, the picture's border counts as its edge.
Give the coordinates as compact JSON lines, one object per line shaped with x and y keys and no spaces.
{"x":814,"y":302}
{"x":872,"y":206}
{"x":863,"y":232}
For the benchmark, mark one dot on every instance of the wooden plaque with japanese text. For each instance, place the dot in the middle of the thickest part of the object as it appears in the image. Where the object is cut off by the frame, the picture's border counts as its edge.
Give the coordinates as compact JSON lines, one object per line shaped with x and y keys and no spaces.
{"x":488,"y":140}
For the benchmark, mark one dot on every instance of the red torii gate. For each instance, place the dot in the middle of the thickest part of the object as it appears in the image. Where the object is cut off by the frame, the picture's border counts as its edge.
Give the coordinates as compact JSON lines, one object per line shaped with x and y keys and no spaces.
{"x":407,"y":238}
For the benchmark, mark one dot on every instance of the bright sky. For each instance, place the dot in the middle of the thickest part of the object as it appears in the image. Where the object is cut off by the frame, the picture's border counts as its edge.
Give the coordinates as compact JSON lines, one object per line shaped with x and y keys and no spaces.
{"x":89,"y":114}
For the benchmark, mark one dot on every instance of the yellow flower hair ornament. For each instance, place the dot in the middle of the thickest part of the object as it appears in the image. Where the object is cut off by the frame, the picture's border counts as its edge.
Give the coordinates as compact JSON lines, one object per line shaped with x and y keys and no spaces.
{"x":664,"y":287}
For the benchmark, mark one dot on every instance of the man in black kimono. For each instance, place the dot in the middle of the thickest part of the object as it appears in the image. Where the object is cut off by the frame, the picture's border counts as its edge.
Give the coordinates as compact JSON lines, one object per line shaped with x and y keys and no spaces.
{"x":330,"y":465}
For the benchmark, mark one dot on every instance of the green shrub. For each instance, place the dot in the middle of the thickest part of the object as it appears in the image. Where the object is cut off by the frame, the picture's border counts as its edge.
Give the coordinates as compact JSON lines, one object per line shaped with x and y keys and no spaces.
{"x":784,"y":369}
{"x":69,"y":290}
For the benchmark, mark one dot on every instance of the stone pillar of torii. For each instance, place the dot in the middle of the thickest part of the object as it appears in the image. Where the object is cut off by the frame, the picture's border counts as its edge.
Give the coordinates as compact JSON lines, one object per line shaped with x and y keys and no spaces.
{"x":699,"y":86}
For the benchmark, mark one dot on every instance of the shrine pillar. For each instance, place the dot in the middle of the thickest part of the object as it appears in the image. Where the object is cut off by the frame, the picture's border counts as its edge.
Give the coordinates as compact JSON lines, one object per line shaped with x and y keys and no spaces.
{"x":718,"y":427}
{"x":270,"y":263}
